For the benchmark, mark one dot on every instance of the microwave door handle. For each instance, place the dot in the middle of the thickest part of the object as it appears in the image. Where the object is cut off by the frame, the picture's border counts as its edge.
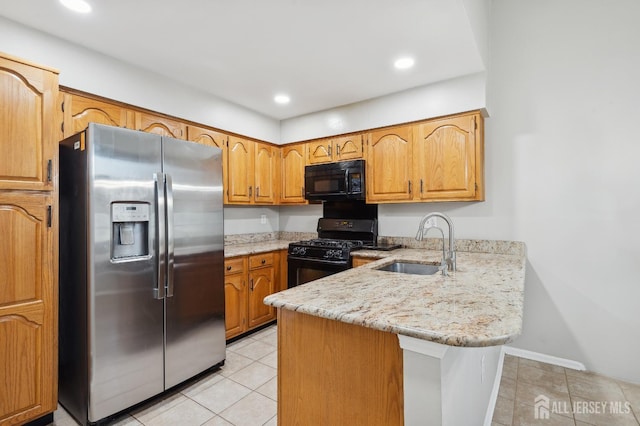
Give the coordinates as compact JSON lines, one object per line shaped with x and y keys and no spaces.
{"x":346,"y":182}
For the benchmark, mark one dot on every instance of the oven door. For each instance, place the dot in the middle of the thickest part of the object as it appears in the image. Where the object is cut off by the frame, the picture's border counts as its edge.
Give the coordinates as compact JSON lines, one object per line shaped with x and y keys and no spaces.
{"x":302,"y":270}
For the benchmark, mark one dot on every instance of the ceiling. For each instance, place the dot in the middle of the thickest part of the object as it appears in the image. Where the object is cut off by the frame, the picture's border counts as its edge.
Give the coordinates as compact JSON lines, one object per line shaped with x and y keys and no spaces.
{"x":322,"y":53}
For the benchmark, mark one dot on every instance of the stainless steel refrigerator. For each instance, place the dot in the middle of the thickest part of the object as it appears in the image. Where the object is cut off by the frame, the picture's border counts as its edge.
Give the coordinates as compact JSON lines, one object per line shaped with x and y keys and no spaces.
{"x":141,"y":267}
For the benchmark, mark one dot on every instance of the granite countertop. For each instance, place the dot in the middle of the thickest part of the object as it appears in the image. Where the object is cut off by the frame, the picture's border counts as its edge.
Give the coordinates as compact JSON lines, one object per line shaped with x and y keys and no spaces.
{"x":232,"y":250}
{"x":481,"y":304}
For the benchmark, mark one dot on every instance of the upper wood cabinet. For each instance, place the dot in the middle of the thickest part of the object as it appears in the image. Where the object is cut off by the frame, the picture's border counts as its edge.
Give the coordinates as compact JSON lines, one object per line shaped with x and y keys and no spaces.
{"x":265,"y":173}
{"x":251,"y":172}
{"x":389,"y":164}
{"x":160,"y":125}
{"x":78,"y":111}
{"x":335,"y":149}
{"x":28,"y":307}
{"x":435,"y":160}
{"x":292,"y":163}
{"x":29,"y":125}
{"x":207,"y":137}
{"x":446,"y":154}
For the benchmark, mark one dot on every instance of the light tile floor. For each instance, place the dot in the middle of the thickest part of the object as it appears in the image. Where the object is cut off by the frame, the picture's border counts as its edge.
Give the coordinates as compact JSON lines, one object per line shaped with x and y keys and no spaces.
{"x":575,"y":398}
{"x":244,"y":392}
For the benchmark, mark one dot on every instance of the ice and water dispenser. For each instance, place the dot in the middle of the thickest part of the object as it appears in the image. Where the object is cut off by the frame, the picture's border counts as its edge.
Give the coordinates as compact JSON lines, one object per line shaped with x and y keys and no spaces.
{"x":129,"y":230}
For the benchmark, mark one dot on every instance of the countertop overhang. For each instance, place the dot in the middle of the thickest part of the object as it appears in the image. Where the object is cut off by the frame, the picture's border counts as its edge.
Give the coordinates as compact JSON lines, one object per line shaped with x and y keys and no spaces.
{"x":481,"y":304}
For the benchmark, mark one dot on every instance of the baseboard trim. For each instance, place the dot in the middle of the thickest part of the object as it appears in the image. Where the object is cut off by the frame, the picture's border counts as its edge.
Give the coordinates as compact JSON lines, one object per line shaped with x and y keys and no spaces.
{"x":549,"y":359}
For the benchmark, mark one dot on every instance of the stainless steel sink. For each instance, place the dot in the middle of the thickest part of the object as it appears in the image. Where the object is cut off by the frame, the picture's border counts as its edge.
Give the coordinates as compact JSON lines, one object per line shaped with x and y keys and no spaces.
{"x":410,"y":268}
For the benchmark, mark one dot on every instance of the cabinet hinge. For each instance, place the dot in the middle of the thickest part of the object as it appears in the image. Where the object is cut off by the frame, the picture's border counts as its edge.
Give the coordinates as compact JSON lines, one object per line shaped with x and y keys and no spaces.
{"x":476,"y":185}
{"x":62,"y":127}
{"x":48,"y":216}
{"x":49,"y":171}
{"x":62,"y":106}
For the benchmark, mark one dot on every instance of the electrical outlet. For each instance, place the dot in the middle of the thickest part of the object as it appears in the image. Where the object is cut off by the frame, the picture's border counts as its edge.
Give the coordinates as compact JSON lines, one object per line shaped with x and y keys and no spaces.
{"x":263,"y":219}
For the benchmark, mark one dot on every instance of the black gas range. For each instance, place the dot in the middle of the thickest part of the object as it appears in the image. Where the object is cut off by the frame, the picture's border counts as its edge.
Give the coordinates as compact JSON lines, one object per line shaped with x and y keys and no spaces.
{"x":330,"y":253}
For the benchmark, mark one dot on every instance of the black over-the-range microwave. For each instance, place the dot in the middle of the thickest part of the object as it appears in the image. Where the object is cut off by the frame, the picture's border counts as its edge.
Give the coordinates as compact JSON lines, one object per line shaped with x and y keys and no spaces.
{"x":343,"y":180}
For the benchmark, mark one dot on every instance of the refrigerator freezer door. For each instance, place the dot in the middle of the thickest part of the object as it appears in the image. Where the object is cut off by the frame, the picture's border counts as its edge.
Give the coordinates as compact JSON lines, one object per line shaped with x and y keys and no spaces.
{"x":125,"y":321}
{"x":195,"y":334}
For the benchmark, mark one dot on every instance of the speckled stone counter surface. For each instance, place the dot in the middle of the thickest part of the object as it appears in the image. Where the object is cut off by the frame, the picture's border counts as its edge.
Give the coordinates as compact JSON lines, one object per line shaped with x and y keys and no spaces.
{"x":245,"y":244}
{"x":481,"y":304}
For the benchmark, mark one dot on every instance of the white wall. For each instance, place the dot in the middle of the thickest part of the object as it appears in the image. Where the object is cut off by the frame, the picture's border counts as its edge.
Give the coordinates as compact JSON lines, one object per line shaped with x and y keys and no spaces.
{"x":564,"y":95}
{"x":446,"y":97}
{"x":95,"y":73}
{"x":248,"y":220}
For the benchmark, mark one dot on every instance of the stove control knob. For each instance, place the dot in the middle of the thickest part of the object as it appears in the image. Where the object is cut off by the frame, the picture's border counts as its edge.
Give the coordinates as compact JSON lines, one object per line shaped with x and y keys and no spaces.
{"x":299,"y":251}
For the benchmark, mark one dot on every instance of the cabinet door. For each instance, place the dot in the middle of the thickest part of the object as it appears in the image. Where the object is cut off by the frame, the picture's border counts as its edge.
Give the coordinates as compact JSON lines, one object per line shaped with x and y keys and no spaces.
{"x":207,"y":137}
{"x":359,"y":261}
{"x":261,"y":284}
{"x":79,"y":111}
{"x":162,"y":126}
{"x":320,"y":151}
{"x":235,"y":299}
{"x":240,"y":170}
{"x":28,"y":123}
{"x":445,"y":157}
{"x":264,"y":173}
{"x":292,"y":172}
{"x":347,"y":147}
{"x":283,"y":276}
{"x":388,"y":165}
{"x":28,"y":308}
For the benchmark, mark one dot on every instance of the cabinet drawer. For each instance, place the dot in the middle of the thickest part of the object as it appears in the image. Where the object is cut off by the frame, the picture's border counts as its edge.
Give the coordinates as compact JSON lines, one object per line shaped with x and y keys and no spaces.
{"x":234,"y":265}
{"x":260,"y":260}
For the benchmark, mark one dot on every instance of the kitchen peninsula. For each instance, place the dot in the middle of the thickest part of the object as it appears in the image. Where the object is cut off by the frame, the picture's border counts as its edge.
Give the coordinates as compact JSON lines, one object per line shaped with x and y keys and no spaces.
{"x":373,"y":347}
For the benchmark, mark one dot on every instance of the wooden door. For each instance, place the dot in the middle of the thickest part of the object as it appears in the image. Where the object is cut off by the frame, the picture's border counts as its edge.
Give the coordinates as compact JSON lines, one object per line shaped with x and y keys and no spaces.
{"x":79,"y":111}
{"x":292,"y":174}
{"x":240,"y":170}
{"x":388,"y":165}
{"x":347,"y":147}
{"x":261,"y":284}
{"x":28,"y":123}
{"x":265,"y":173}
{"x":159,"y":125}
{"x":320,"y":151}
{"x":235,"y":299}
{"x":444,"y":158}
{"x":28,"y":308}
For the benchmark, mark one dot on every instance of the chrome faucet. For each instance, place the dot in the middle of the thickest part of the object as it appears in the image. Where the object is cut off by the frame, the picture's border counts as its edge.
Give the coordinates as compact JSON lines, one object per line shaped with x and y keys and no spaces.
{"x":448,"y":259}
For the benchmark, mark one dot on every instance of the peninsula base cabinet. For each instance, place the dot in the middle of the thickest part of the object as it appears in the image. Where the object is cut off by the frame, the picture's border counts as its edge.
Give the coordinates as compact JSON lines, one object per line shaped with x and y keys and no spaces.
{"x":248,"y":280}
{"x":377,"y":377}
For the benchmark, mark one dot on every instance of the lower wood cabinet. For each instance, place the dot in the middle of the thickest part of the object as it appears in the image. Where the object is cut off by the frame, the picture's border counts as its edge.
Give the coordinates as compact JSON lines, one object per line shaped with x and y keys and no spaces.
{"x":248,"y":280}
{"x":28,"y":308}
{"x":359,"y":261}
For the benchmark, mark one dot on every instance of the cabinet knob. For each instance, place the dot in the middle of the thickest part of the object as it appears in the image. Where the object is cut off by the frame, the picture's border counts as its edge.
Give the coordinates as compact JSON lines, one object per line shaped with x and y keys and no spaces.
{"x":264,"y":261}
{"x":228,"y":268}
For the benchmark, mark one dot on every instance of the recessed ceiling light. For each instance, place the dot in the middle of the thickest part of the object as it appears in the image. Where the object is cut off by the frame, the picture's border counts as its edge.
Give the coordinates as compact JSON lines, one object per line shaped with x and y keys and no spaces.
{"x":79,"y":6}
{"x":282,"y":99}
{"x":404,"y":63}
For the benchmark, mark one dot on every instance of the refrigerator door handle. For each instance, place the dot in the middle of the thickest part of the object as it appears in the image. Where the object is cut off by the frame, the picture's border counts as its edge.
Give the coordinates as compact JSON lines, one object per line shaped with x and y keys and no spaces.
{"x":160,"y":247}
{"x":170,"y":242}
